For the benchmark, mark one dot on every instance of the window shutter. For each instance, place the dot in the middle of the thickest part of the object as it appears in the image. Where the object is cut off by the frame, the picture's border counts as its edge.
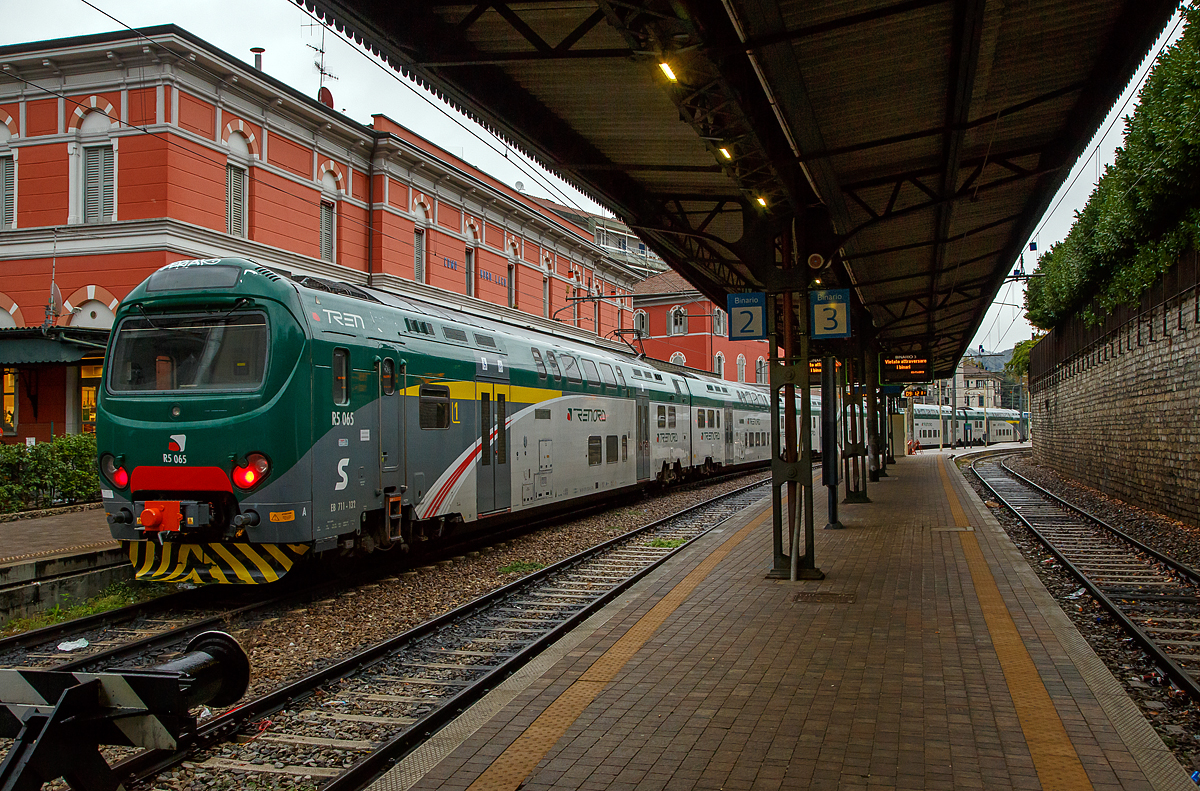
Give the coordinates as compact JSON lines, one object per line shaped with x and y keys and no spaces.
{"x":235,"y":200}
{"x":91,"y":185}
{"x":327,"y":231}
{"x":419,"y":256}
{"x":107,"y":183}
{"x":7,"y":192}
{"x":98,"y":184}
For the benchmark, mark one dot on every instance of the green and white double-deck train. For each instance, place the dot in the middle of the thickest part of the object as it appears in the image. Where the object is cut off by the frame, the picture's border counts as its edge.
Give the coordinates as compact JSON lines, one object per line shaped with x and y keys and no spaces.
{"x":249,"y":420}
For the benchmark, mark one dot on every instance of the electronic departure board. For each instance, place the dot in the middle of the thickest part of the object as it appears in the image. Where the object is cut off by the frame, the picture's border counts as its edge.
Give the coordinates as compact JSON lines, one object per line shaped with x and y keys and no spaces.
{"x":895,"y":369}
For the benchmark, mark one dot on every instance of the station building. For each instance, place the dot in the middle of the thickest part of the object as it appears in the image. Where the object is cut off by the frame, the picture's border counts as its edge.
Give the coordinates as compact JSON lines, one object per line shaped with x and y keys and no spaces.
{"x":122,"y":152}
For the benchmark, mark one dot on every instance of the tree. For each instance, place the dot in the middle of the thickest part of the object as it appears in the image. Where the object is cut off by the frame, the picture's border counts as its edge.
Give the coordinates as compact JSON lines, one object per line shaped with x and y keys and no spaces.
{"x":1018,"y":365}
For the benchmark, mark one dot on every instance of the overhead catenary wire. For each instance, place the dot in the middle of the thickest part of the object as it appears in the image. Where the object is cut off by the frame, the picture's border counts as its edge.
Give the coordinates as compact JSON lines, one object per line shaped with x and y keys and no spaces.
{"x":521,"y":165}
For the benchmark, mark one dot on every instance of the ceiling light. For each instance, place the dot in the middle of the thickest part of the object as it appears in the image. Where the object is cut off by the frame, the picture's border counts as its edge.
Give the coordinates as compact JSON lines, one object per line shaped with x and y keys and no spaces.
{"x":762,"y":201}
{"x":725,"y":153}
{"x":666,"y":69}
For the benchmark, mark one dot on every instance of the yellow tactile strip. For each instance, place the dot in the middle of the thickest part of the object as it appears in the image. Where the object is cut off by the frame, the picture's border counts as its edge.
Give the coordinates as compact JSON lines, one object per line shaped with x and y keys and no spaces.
{"x":509,"y":771}
{"x":1054,"y":756}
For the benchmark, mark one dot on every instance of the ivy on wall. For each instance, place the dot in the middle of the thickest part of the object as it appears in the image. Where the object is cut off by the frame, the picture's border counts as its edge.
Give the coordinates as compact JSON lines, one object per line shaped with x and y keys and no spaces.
{"x":1144,"y":212}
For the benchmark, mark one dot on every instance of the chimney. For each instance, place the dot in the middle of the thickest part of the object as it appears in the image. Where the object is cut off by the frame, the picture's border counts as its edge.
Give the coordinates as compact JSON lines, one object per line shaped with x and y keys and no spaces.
{"x":258,"y":51}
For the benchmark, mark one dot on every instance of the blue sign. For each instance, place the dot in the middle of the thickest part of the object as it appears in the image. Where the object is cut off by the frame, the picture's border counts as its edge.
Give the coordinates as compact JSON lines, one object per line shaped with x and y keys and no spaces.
{"x":829,"y":313}
{"x":747,"y":316}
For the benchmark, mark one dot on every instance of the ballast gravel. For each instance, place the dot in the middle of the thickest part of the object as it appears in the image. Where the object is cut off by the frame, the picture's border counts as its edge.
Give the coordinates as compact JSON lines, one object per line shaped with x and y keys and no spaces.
{"x":1173,"y":715}
{"x":310,"y":637}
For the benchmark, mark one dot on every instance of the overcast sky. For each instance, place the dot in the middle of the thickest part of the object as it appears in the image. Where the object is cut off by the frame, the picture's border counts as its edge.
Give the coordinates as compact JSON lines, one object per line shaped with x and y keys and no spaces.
{"x":364,"y":87}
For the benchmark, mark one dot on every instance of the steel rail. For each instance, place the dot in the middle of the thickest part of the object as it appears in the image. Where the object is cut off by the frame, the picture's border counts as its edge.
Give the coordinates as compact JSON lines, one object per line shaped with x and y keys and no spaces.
{"x":1167,"y":560}
{"x":224,"y":726}
{"x":1170,"y":667}
{"x":200,"y":598}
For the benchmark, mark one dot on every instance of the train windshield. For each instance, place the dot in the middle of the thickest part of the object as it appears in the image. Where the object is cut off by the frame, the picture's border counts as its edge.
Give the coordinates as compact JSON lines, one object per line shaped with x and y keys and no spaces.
{"x":189,"y":353}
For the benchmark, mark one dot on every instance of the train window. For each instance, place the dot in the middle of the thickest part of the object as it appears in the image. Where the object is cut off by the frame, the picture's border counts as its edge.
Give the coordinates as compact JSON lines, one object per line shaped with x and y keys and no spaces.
{"x":341,"y":376}
{"x":570,"y":368}
{"x":718,"y":420}
{"x":501,"y":430}
{"x":607,"y":373}
{"x":610,"y":449}
{"x":636,"y":373}
{"x":589,"y":371}
{"x":624,"y":447}
{"x":485,"y":340}
{"x":387,"y":376}
{"x":453,"y":334}
{"x":621,"y":377}
{"x":435,"y":406}
{"x":594,"y":451}
{"x":537,"y":361}
{"x":670,"y":417}
{"x":699,"y":418}
{"x":552,"y":361}
{"x":711,"y":420}
{"x":662,"y":417}
{"x":189,"y":353}
{"x":541,"y":414}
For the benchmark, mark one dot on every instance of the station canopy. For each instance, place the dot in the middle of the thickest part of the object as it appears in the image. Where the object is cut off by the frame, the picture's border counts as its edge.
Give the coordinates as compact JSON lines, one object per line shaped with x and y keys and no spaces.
{"x":912,"y":145}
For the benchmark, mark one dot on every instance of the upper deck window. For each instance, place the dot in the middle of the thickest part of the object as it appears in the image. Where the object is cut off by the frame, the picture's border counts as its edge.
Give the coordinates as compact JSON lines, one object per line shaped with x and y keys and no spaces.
{"x":189,"y":353}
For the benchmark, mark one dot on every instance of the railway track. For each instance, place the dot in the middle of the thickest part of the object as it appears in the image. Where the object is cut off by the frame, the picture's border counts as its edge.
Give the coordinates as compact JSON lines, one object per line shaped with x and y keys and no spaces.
{"x":141,"y":632}
{"x":343,"y":725}
{"x":1153,"y":597}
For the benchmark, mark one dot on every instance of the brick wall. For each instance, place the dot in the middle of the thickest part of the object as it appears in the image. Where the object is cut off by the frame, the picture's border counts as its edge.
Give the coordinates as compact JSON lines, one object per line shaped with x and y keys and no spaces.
{"x":1122,"y":414}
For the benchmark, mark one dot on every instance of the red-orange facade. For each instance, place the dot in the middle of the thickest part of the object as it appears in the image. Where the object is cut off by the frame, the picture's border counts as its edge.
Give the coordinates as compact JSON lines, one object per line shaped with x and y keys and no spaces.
{"x":122,"y":152}
{"x":677,"y":323}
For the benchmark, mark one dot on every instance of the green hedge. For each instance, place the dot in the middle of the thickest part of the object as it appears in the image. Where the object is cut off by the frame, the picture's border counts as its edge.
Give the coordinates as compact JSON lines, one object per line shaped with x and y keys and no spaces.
{"x":1144,"y":212}
{"x":58,"y":472}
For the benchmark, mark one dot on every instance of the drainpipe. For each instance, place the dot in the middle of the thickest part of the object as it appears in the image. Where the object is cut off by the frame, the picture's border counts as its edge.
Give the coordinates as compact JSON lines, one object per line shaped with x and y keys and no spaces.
{"x":371,"y":212}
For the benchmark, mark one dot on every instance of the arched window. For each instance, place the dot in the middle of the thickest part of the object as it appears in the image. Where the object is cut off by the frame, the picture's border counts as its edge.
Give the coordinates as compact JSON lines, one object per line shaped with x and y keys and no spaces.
{"x":422,"y":217}
{"x":678,"y":359}
{"x":741,"y":362}
{"x":719,"y":325}
{"x":236,"y":171}
{"x":641,"y":324}
{"x":760,"y":371}
{"x":99,"y":168}
{"x":679,"y":319}
{"x":719,"y":364}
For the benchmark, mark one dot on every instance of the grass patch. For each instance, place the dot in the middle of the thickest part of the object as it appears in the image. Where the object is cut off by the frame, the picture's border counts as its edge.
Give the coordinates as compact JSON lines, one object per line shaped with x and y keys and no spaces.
{"x":521,"y":567}
{"x":668,"y":543}
{"x":118,"y":594}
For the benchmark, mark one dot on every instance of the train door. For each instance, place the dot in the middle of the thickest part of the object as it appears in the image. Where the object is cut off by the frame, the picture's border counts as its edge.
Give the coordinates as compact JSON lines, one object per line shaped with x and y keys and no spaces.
{"x":643,"y":437}
{"x":728,"y":435}
{"x":389,"y":371}
{"x":493,"y":470}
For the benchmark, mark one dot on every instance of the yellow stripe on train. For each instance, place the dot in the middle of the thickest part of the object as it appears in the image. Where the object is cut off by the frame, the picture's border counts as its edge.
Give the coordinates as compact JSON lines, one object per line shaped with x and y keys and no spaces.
{"x":222,"y":563}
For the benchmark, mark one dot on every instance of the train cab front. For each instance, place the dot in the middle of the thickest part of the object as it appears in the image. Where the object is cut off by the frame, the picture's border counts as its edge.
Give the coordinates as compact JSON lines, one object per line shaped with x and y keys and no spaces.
{"x":196,"y":427}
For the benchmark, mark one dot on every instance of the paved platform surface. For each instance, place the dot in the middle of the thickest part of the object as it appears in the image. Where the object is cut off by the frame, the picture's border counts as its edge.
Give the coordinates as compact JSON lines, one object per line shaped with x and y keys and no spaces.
{"x":930,"y":657}
{"x":23,"y":540}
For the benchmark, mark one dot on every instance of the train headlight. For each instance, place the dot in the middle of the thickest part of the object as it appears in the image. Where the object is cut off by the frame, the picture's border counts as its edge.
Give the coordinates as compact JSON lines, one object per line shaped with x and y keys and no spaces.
{"x":115,"y":473}
{"x":252,"y":473}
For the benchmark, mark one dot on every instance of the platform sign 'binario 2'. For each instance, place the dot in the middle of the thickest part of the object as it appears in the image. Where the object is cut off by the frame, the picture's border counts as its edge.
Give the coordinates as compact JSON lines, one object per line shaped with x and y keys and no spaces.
{"x":747,"y":316}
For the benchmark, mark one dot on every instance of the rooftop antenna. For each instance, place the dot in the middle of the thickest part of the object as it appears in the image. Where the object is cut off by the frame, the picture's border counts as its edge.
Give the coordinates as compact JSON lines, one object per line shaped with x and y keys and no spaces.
{"x":319,"y":62}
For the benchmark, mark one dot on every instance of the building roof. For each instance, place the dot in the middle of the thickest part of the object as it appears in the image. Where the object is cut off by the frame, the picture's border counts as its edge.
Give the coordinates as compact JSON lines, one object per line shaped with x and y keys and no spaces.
{"x":668,"y":282}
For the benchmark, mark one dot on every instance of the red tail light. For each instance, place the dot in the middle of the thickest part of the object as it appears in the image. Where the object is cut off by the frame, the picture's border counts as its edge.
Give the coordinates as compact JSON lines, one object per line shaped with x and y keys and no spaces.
{"x":250,"y":475}
{"x":118,"y":475}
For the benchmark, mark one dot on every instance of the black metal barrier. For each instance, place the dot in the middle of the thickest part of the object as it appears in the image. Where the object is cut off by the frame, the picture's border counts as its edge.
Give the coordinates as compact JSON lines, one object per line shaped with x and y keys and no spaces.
{"x":60,"y":719}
